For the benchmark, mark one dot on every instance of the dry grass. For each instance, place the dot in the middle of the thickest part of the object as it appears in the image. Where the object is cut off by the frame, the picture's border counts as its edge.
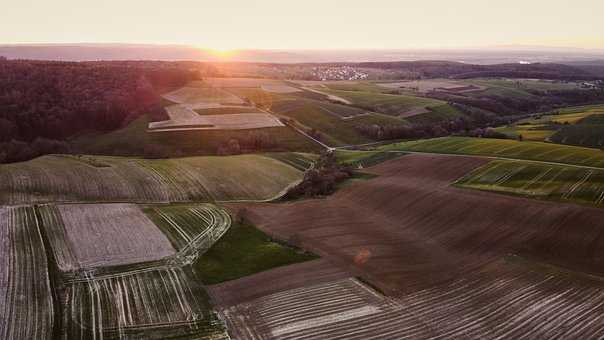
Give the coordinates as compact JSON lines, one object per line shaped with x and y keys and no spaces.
{"x":239,"y":82}
{"x":100,"y":235}
{"x":192,"y":95}
{"x":235,"y":121}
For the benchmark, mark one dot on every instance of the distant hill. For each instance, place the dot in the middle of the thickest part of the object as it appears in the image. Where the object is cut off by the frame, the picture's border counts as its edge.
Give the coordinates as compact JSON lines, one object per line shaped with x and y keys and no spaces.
{"x":87,"y":52}
{"x":447,"y":69}
{"x":595,"y":67}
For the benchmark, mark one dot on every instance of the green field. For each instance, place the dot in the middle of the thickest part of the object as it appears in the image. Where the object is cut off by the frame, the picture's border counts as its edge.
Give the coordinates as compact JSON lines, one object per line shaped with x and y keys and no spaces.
{"x":505,"y":148}
{"x":515,"y":88}
{"x":364,"y":159}
{"x":537,"y":180}
{"x":385,"y":103}
{"x":300,"y":161}
{"x":437,"y":114}
{"x":312,"y":114}
{"x":242,"y":251}
{"x":118,"y":179}
{"x":134,"y":140}
{"x":588,"y":135}
{"x":361,"y":86}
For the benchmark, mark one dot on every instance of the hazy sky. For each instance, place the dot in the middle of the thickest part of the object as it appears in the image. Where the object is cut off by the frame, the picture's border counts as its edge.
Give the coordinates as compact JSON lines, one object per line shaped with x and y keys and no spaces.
{"x":307,"y":23}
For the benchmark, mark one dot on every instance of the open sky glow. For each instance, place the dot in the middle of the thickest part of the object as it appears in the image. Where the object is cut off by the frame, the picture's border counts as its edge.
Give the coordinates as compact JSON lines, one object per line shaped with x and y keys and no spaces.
{"x":308,"y":24}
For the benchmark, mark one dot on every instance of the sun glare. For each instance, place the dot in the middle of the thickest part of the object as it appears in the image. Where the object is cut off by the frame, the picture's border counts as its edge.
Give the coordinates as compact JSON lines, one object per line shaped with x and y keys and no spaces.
{"x":221,"y":52}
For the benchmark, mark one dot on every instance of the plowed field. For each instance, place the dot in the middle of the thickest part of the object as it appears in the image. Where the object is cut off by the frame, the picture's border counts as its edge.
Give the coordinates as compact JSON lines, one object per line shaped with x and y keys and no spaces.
{"x":455,"y":263}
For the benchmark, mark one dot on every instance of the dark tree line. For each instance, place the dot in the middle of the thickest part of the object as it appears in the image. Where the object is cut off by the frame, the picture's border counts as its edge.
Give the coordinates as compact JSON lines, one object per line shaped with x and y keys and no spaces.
{"x":44,"y":103}
{"x":476,"y":123}
{"x":447,"y":69}
{"x":540,"y":101}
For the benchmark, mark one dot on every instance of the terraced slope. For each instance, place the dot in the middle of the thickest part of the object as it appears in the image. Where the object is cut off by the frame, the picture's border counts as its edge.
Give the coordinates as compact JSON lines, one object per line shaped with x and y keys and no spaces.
{"x":67,"y":178}
{"x":26,"y":306}
{"x":504,"y":148}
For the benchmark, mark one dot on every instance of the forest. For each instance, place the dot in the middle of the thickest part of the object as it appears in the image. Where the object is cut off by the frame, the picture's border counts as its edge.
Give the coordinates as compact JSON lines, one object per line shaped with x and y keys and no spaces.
{"x":43,"y":103}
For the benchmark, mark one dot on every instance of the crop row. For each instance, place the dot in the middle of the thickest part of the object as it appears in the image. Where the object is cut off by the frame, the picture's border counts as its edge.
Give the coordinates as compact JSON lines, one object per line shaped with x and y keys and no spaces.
{"x":192,"y":229}
{"x":537,"y":151}
{"x":131,"y":305}
{"x":77,"y":179}
{"x":539,"y":180}
{"x":86,"y":236}
{"x":509,"y":302}
{"x":26,"y":306}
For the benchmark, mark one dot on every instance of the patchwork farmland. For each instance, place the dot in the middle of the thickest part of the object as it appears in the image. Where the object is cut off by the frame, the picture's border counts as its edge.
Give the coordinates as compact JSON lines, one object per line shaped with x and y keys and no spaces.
{"x":573,"y":126}
{"x":183,"y":115}
{"x":417,"y":241}
{"x":126,"y":280}
{"x":454,"y":263}
{"x":348,"y":309}
{"x":390,"y":104}
{"x":110,"y":179}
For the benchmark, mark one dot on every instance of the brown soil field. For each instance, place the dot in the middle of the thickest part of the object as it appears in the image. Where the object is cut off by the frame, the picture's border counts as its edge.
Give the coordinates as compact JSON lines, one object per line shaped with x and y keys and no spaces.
{"x":459,"y":263}
{"x":273,"y":281}
{"x":417,"y":228}
{"x":505,"y":301}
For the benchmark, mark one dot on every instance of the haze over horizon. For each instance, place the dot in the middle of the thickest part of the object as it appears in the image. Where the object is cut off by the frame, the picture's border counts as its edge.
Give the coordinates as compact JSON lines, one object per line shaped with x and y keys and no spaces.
{"x":316,"y":25}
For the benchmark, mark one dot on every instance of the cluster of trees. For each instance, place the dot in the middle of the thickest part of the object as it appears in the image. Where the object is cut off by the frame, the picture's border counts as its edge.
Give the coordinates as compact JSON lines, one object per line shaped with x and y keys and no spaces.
{"x":253,"y":142}
{"x":43,"y":103}
{"x":16,"y":151}
{"x":322,"y":180}
{"x":460,"y":125}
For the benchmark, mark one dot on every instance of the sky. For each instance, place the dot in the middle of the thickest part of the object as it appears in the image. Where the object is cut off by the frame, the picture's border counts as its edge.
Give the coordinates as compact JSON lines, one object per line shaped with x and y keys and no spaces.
{"x":307,"y":24}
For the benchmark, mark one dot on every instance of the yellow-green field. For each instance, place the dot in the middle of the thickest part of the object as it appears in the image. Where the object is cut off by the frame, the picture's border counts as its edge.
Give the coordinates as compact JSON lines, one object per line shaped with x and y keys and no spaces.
{"x":505,"y":148}
{"x":537,"y":180}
